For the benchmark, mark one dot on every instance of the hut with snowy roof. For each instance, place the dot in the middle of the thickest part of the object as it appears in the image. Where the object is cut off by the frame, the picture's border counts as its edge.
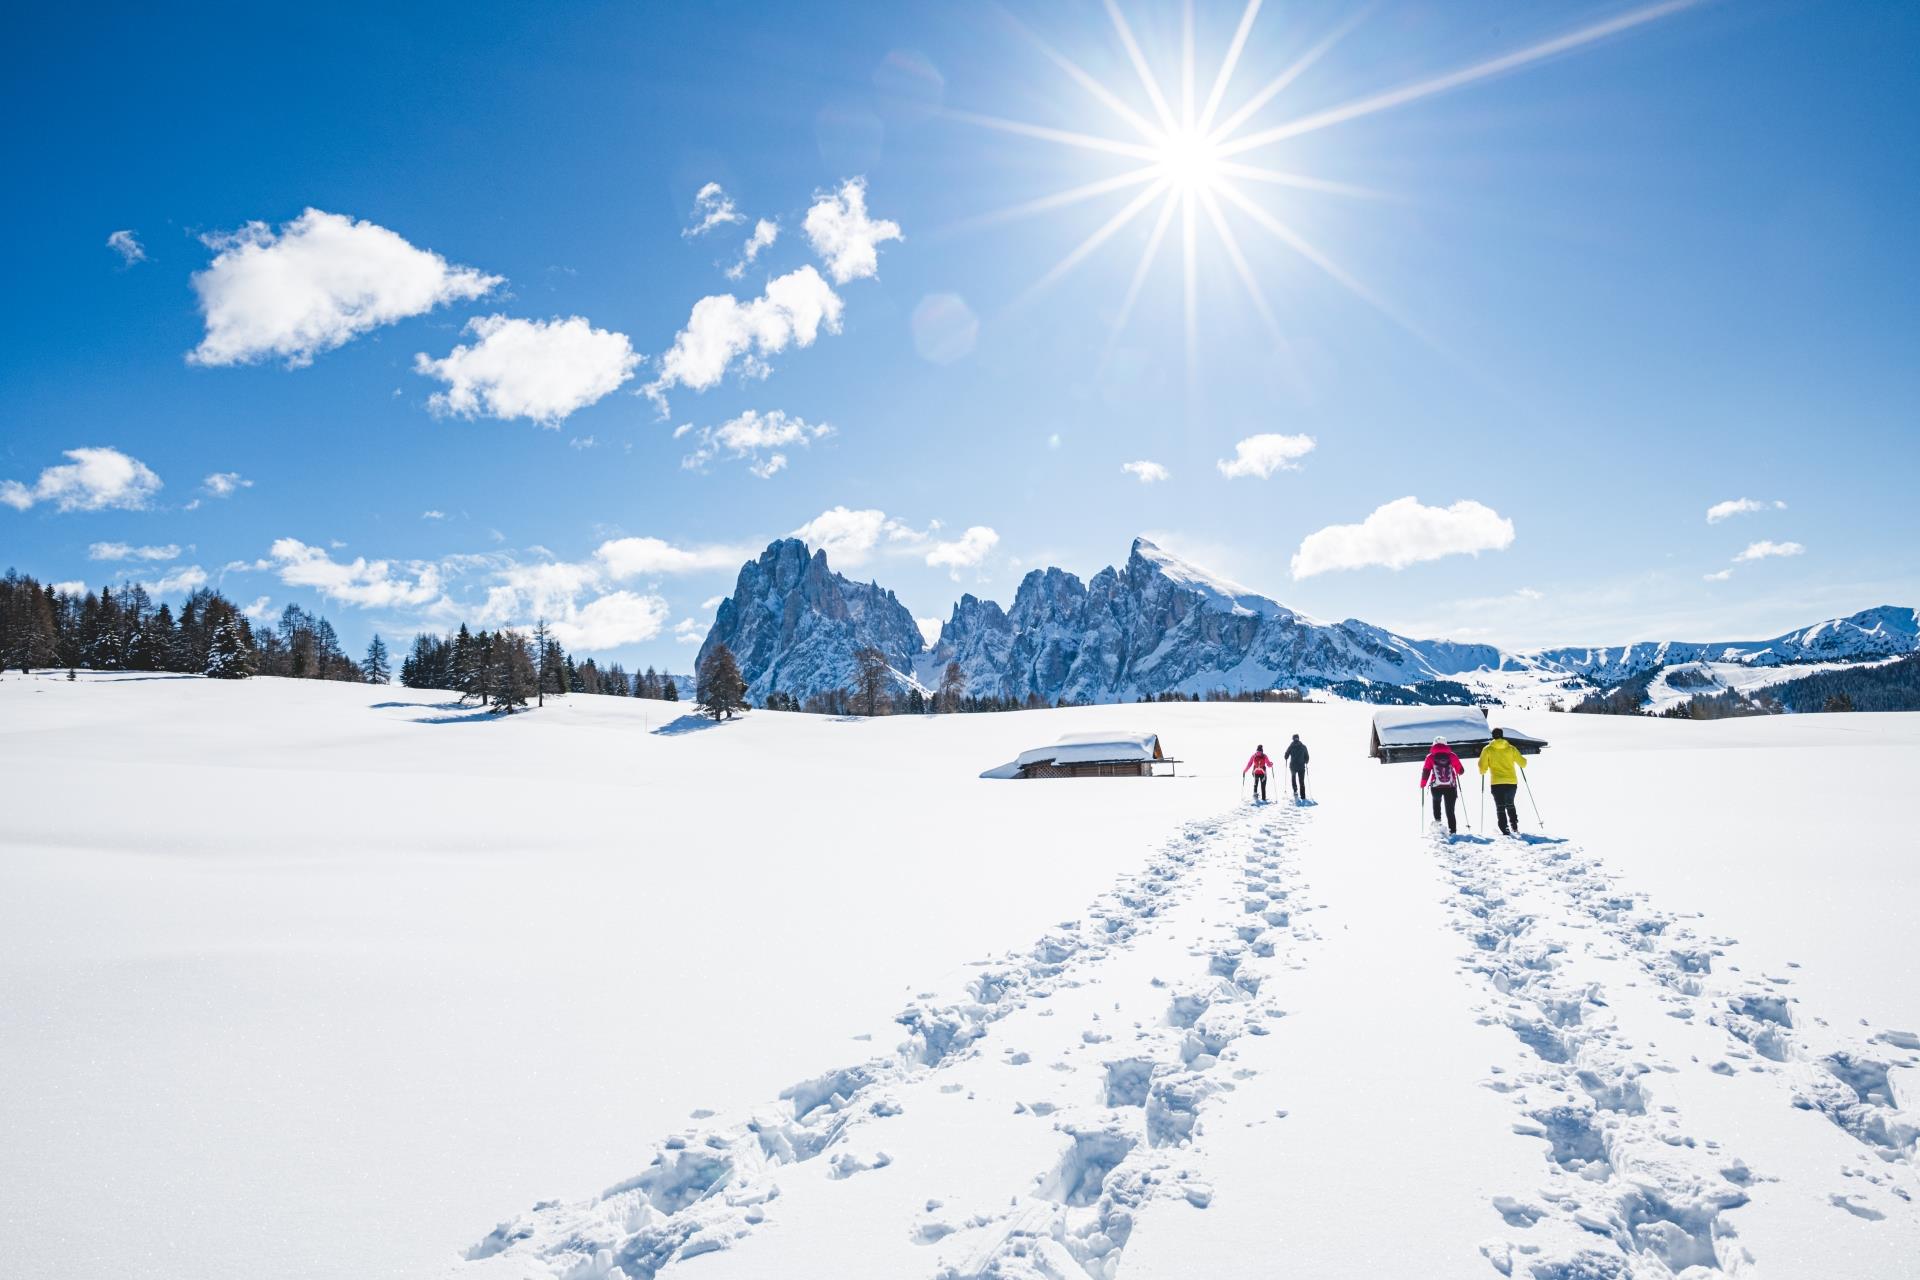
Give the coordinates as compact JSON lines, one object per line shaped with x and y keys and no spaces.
{"x":1092,"y":755}
{"x":1404,"y":734}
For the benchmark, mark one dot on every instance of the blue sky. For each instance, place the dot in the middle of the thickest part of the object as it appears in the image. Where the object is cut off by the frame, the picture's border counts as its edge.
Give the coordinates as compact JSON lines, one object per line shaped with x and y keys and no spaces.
{"x":1566,"y":306}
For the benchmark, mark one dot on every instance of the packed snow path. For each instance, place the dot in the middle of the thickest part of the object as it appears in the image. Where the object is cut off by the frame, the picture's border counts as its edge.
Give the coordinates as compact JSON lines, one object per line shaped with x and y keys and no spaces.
{"x":1315,"y":1041}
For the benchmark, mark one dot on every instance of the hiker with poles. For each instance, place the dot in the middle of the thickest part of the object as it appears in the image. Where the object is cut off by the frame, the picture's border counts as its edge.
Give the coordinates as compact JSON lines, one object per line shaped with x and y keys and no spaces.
{"x":1260,"y":764}
{"x":1440,"y":775}
{"x":1504,"y":762}
{"x":1296,"y":757}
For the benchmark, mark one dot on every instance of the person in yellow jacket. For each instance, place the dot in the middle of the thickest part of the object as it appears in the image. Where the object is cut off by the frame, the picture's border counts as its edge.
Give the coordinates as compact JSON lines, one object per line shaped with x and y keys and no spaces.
{"x":1503,"y":760}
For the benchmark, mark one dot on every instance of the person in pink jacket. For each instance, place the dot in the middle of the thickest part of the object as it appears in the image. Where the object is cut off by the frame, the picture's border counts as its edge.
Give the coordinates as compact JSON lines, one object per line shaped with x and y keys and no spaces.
{"x":1260,"y":764}
{"x":1440,"y":775}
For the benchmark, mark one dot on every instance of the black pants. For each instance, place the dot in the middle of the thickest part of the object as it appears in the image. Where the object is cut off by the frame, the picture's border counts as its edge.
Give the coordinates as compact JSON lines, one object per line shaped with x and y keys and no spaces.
{"x":1448,"y":795}
{"x":1299,"y":783}
{"x":1259,"y":786}
{"x":1503,"y":806}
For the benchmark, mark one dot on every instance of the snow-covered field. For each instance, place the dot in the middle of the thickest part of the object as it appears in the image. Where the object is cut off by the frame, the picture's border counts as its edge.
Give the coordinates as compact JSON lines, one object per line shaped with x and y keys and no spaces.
{"x":311,"y":980}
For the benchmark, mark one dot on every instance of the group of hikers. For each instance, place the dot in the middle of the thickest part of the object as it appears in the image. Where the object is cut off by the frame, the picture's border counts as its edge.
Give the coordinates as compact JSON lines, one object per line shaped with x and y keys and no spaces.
{"x":1500,"y":764}
{"x":1260,"y":765}
{"x":1440,"y":775}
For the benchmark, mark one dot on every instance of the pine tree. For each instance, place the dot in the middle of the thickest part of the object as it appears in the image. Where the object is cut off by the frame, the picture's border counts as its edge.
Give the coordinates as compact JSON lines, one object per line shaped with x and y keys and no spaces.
{"x":374,"y":667}
{"x":229,"y":657}
{"x":467,"y":666}
{"x":514,"y":677}
{"x":669,"y":691}
{"x":720,"y":692}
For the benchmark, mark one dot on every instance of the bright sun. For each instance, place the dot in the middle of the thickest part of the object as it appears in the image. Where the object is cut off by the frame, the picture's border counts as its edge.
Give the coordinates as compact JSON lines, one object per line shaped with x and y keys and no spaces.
{"x":1189,"y":156}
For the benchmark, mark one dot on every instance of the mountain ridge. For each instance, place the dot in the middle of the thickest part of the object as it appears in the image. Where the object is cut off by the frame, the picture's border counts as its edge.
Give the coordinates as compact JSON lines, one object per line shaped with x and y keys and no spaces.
{"x":1159,"y":623}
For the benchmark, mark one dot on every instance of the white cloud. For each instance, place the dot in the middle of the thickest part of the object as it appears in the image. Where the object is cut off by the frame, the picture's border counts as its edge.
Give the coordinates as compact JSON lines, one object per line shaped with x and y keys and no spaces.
{"x":433,"y":515}
{"x":127,"y":245}
{"x":965,"y":552}
{"x":721,"y":329}
{"x":1401,"y":533}
{"x":1146,"y":472}
{"x":632,"y":557}
{"x":1739,"y":507}
{"x":1767,"y":549}
{"x":95,"y":479}
{"x":224,"y":484}
{"x":845,"y":238}
{"x":1262,"y":455}
{"x":260,"y":609}
{"x":690,"y":631}
{"x":126,"y":551}
{"x":180,"y":581}
{"x":538,"y":369}
{"x":1721,"y":576}
{"x":765,"y":232}
{"x":582,"y":442}
{"x":849,"y":537}
{"x":611,"y":621}
{"x":323,"y":280}
{"x":712,"y":207}
{"x":370,"y":584}
{"x":711,"y":603}
{"x":754,"y":436}
{"x":74,"y":588}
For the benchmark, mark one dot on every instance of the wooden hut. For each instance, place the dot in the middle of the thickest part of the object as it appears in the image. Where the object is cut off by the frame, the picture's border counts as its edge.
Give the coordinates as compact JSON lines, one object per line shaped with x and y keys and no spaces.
{"x":1092,"y":755}
{"x":1405,"y":734}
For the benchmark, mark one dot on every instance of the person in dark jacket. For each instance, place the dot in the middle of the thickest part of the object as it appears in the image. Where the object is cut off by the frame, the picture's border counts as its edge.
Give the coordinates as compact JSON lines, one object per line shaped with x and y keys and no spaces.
{"x":1440,"y":775}
{"x":1296,"y":757}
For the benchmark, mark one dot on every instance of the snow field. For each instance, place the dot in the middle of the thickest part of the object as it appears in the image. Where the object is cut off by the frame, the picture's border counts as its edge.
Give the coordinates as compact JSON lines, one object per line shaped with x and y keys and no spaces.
{"x":326,"y":980}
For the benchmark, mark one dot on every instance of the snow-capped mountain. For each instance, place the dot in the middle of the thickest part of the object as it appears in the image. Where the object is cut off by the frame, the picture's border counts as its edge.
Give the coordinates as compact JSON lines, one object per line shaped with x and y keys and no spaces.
{"x":1158,"y":624}
{"x":794,"y":624}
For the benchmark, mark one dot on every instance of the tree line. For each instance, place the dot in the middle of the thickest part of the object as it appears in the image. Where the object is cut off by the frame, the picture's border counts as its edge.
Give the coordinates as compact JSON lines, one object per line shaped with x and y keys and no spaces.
{"x":506,"y":669}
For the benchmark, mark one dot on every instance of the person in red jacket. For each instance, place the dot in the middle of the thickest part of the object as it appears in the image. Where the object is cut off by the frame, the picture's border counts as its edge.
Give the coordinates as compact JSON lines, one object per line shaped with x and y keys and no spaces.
{"x":1440,"y":775}
{"x":1260,"y":765}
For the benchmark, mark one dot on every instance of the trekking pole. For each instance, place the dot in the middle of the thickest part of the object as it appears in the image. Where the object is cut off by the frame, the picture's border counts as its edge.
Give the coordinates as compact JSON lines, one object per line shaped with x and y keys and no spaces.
{"x":1483,"y":799}
{"x":1535,"y":803}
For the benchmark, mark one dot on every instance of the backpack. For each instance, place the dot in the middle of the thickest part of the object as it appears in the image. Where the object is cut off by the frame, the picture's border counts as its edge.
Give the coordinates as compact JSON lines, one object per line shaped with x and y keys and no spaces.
{"x":1443,"y":774}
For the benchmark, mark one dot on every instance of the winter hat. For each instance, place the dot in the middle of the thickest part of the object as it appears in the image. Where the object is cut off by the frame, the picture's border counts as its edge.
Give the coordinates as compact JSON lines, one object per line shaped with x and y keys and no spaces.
{"x":1259,"y":746}
{"x":1499,"y":733}
{"x":1439,"y":742}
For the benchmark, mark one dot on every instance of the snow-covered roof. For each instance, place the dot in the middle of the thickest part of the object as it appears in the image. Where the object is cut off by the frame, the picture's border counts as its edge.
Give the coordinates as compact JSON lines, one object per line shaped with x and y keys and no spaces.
{"x":1087,"y":748}
{"x":1399,"y":732}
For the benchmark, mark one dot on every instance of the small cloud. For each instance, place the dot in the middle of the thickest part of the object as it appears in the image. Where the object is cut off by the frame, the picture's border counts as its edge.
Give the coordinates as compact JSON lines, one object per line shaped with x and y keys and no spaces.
{"x":612,"y":621}
{"x":190,"y":578}
{"x":1721,"y":576}
{"x":1262,"y":455}
{"x":967,"y":551}
{"x":1739,"y":507}
{"x":433,"y":515}
{"x":259,"y":609}
{"x":582,"y":442}
{"x":369,"y":584}
{"x":850,"y":537}
{"x":72,"y":588}
{"x":1146,"y":472}
{"x":124,"y":551}
{"x":127,"y":245}
{"x":538,"y":369}
{"x":846,"y":239}
{"x":754,"y":437}
{"x":689,"y":631}
{"x":94,"y":480}
{"x":224,"y":484}
{"x":711,"y":603}
{"x":712,"y":207}
{"x":320,"y":281}
{"x":633,"y":557}
{"x":765,"y":232}
{"x":722,"y":331}
{"x":1766,"y":549}
{"x":1402,"y":533}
